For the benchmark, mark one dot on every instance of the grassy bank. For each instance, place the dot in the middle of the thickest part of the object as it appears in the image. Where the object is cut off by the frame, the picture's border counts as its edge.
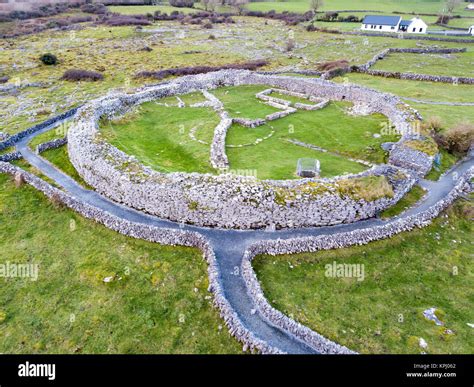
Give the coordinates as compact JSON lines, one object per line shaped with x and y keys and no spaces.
{"x":157,"y":303}
{"x":403,"y":276}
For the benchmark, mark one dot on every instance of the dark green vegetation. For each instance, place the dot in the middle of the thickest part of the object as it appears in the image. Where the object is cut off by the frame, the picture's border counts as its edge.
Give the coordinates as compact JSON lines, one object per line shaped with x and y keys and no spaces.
{"x":157,"y":303}
{"x":447,"y":161}
{"x":411,"y":198}
{"x":60,"y":158}
{"x":403,"y":277}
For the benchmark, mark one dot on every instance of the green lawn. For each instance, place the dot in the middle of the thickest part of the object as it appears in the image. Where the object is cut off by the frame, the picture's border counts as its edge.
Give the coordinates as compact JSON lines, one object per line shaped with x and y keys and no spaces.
{"x":155,"y":137}
{"x":160,"y":304}
{"x":425,"y":91}
{"x":403,"y":277}
{"x":410,"y":199}
{"x":388,"y":6}
{"x":159,"y":136}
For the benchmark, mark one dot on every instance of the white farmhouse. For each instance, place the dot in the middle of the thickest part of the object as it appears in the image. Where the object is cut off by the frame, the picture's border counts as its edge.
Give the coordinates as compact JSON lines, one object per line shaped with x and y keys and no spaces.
{"x":393,"y":24}
{"x":413,"y":26}
{"x":381,"y":23}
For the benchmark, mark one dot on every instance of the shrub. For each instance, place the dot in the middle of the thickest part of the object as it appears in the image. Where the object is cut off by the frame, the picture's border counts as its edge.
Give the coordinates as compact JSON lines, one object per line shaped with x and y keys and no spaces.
{"x":4,"y":79}
{"x":18,"y":179}
{"x":96,"y":8}
{"x":290,"y":45}
{"x":459,"y":138}
{"x":74,"y":75}
{"x":182,"y":3}
{"x":433,"y":123}
{"x":426,"y":145}
{"x":180,"y":71}
{"x":49,"y":59}
{"x":443,"y":19}
{"x":124,"y":20}
{"x":352,"y":19}
{"x":332,"y":65}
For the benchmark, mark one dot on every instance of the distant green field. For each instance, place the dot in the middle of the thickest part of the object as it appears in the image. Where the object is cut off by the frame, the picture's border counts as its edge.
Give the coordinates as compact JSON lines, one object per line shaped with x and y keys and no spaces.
{"x":457,"y":65}
{"x":388,"y":6}
{"x":428,"y":91}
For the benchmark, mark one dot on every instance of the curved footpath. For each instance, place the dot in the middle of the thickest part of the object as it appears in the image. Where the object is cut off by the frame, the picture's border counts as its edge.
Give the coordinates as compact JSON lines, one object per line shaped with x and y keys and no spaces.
{"x":230,"y":246}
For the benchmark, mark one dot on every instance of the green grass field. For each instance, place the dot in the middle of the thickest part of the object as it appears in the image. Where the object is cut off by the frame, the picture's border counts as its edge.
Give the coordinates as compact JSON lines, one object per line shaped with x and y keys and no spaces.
{"x":160,"y":304}
{"x":117,"y":53}
{"x":460,"y":65}
{"x":425,"y":91}
{"x":409,"y":200}
{"x":160,"y":137}
{"x":388,"y":6}
{"x":403,"y":277}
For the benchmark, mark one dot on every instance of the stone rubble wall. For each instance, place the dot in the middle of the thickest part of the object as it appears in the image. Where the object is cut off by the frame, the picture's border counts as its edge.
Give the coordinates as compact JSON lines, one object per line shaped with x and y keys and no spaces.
{"x":420,"y":77}
{"x":412,"y":159}
{"x":365,"y":68}
{"x":334,"y":241}
{"x":12,"y":156}
{"x":225,"y":200}
{"x":219,"y":158}
{"x":53,"y":144}
{"x":249,"y":123}
{"x":157,"y":235}
{"x":52,"y":121}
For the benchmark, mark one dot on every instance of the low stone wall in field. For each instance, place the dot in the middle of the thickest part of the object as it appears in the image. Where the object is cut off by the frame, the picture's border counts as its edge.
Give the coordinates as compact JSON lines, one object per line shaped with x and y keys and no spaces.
{"x":334,"y":241}
{"x":420,"y":77}
{"x":12,"y":156}
{"x":53,"y":144}
{"x":50,"y":122}
{"x":157,"y":235}
{"x":365,"y":68}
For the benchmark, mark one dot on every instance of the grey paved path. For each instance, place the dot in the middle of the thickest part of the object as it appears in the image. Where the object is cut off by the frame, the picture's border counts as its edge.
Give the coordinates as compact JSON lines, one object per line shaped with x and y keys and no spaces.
{"x":229,"y":245}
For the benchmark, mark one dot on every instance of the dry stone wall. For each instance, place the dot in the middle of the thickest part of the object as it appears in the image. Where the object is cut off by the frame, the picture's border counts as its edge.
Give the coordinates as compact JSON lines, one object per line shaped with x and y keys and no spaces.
{"x":157,"y":235}
{"x":334,"y":241}
{"x":365,"y":68}
{"x":53,"y":144}
{"x":226,"y":200}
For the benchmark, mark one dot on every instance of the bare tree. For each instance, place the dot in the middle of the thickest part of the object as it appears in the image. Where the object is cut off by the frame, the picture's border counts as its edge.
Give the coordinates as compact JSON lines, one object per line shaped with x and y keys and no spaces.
{"x":239,"y":5}
{"x":205,"y":4}
{"x":213,"y":4}
{"x":451,"y":5}
{"x":316,"y":5}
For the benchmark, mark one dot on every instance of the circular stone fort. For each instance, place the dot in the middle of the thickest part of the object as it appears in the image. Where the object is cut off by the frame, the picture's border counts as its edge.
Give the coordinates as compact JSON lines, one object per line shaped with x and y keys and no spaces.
{"x":227,"y":200}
